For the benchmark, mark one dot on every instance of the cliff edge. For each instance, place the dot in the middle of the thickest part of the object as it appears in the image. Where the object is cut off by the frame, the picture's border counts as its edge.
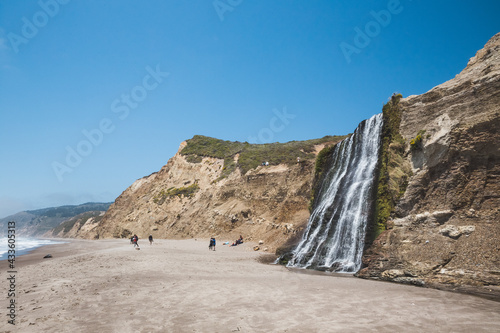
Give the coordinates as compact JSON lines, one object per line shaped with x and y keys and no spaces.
{"x":438,"y":217}
{"x":215,"y":188}
{"x":445,"y":230}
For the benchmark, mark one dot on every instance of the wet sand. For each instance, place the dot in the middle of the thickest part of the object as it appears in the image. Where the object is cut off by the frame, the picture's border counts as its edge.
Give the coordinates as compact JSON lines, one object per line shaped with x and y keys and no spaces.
{"x":180,"y":286}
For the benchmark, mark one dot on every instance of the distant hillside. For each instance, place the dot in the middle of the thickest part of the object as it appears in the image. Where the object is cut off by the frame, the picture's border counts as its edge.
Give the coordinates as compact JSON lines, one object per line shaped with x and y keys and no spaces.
{"x":71,"y":227}
{"x":38,"y":222}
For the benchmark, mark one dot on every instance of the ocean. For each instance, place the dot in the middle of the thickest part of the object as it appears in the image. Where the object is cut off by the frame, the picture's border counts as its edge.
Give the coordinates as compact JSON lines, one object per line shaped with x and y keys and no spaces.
{"x":23,"y":245}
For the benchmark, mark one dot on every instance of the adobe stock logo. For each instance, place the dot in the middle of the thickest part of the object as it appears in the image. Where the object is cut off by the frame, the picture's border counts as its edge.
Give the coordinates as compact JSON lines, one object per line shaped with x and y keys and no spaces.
{"x":223,"y":6}
{"x":30,"y":28}
{"x":120,"y":106}
{"x":371,"y":29}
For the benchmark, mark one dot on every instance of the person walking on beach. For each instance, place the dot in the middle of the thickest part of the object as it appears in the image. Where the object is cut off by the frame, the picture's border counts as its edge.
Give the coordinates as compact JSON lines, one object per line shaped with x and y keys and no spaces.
{"x":135,"y":239}
{"x":211,"y":246}
{"x":150,"y":239}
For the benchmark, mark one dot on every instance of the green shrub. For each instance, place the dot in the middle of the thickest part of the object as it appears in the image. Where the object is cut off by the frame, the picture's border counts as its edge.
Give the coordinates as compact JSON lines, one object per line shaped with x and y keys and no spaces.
{"x":394,"y":170}
{"x":417,"y":144}
{"x":252,"y":155}
{"x":187,"y":192}
{"x":194,"y":158}
{"x":322,"y":161}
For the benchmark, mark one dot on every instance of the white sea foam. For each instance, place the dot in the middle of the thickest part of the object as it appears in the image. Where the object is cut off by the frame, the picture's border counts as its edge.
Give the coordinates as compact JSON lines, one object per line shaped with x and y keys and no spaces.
{"x":23,"y":245}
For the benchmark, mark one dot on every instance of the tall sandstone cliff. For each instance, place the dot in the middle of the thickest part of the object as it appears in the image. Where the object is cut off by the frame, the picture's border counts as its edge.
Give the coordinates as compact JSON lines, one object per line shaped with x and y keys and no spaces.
{"x":445,"y":230}
{"x":268,"y":203}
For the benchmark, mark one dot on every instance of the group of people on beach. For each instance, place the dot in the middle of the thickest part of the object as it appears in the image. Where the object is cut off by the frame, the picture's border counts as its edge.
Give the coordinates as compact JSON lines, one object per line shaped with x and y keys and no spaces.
{"x":134,"y":240}
{"x":211,"y":245}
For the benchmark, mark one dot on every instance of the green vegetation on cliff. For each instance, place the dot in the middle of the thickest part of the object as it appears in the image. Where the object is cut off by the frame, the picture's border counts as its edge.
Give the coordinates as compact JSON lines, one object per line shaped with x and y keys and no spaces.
{"x":251,"y":155}
{"x":187,"y":192}
{"x":394,"y":171}
{"x":323,"y":160}
{"x":417,"y":143}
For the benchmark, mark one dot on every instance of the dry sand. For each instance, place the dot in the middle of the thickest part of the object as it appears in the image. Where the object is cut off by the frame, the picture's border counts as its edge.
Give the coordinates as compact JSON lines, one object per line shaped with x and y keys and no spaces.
{"x":180,"y":286}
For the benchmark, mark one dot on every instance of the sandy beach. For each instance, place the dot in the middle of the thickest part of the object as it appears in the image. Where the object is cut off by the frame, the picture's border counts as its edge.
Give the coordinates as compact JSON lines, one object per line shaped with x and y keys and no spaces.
{"x":181,"y":286}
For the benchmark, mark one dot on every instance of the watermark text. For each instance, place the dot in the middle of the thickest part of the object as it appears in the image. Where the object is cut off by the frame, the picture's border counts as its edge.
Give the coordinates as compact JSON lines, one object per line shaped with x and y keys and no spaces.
{"x":223,"y":6}
{"x":372,"y":29}
{"x":121,"y":107}
{"x":276,"y":124}
{"x":11,"y":273}
{"x":31,"y":27}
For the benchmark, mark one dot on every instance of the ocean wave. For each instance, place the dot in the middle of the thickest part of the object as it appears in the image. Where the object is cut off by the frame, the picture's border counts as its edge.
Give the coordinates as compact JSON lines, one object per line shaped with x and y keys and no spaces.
{"x":23,"y":245}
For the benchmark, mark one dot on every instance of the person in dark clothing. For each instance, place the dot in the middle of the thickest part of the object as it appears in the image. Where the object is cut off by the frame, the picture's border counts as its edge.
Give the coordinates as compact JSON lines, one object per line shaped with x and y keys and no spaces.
{"x":238,"y":241}
{"x":150,"y":239}
{"x":135,"y":239}
{"x":211,"y":245}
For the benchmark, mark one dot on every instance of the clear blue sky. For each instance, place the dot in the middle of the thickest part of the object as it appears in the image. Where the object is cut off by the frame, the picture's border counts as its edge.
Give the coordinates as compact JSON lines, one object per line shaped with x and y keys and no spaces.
{"x":100,"y":66}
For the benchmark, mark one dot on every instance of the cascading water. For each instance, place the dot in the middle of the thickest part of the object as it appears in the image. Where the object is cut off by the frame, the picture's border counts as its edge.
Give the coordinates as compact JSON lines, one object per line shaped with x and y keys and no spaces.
{"x":335,"y":234}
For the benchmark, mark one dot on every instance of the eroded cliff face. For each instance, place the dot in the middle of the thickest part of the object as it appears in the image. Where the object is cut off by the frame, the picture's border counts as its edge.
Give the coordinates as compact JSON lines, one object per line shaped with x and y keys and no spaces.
{"x":269,"y":203}
{"x":79,"y":224}
{"x":445,"y":230}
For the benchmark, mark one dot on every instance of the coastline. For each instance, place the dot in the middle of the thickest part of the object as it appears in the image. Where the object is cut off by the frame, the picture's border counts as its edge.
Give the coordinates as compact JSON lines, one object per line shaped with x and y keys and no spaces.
{"x":181,"y":286}
{"x":24,"y":245}
{"x":69,"y":247}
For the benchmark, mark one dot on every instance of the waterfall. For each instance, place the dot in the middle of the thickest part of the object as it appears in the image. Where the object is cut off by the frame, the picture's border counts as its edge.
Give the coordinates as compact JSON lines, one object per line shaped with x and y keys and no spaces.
{"x":335,"y":234}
